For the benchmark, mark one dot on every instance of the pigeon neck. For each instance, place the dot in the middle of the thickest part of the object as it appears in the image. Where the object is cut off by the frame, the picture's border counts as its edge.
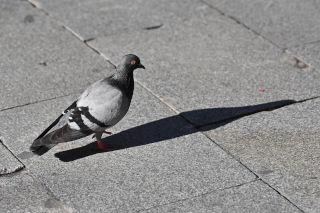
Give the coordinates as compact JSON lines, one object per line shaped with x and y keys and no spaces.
{"x":125,"y":82}
{"x":122,"y":76}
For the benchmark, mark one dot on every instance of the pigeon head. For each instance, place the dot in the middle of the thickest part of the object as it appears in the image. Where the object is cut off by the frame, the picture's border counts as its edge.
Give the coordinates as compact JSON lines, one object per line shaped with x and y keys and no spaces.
{"x":129,"y":63}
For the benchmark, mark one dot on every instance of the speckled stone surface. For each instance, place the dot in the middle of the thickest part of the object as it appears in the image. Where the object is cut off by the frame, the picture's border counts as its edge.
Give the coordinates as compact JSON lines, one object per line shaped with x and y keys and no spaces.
{"x":22,"y":193}
{"x":212,"y":64}
{"x":203,"y":132}
{"x":90,"y":19}
{"x":8,"y":162}
{"x":158,"y":158}
{"x":285,"y":22}
{"x":41,"y":60}
{"x":251,"y":197}
{"x":282,"y":147}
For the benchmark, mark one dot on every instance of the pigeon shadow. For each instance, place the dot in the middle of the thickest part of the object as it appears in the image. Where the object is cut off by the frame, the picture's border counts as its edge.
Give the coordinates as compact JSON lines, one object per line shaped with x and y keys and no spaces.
{"x":170,"y":127}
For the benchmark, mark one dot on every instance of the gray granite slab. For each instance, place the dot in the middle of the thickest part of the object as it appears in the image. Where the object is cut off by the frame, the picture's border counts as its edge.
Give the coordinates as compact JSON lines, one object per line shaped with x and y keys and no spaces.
{"x":157,"y":158}
{"x":27,"y":38}
{"x":212,"y":67}
{"x":89,"y":19}
{"x":309,"y":53}
{"x":22,"y":193}
{"x":8,"y":162}
{"x":251,"y":197}
{"x":284,"y":22}
{"x":282,"y":147}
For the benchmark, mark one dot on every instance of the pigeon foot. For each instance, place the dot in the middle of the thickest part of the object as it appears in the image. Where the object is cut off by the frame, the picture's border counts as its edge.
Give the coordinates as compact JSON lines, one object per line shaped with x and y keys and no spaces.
{"x":104,"y":147}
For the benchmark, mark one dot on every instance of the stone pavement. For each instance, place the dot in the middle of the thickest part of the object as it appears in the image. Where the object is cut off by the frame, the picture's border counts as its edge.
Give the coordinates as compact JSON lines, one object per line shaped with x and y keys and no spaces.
{"x":224,"y":119}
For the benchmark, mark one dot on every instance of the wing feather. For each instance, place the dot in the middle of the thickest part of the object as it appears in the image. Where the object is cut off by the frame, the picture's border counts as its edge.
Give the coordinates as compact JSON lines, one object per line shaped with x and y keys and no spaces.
{"x":57,"y":121}
{"x":60,"y":131}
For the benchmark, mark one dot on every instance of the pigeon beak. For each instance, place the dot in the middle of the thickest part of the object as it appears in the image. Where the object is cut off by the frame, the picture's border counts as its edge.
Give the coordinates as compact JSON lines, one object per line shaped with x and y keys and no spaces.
{"x":141,"y":66}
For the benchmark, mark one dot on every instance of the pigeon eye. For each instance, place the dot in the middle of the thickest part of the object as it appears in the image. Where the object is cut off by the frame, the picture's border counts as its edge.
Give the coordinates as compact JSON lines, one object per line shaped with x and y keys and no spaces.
{"x":133,"y":62}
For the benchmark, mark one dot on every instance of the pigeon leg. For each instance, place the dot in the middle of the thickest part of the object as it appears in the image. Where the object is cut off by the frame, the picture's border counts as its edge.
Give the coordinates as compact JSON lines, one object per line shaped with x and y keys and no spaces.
{"x":109,"y":133}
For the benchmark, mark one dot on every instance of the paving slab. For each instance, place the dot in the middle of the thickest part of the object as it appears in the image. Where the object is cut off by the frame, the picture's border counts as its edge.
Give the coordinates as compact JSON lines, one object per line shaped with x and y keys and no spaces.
{"x":282,"y":147}
{"x":309,"y":53}
{"x":212,"y":63}
{"x":8,"y":162}
{"x":21,"y":193}
{"x":27,"y":38}
{"x":158,"y":158}
{"x":250,"y":197}
{"x":285,"y":22}
{"x":89,"y":19}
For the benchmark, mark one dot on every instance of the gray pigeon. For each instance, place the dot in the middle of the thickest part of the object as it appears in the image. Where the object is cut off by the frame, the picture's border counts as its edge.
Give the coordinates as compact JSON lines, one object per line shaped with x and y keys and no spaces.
{"x":99,"y":107}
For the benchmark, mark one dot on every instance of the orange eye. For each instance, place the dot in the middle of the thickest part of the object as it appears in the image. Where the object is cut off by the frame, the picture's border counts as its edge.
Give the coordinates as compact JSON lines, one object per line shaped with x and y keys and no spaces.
{"x":133,"y":62}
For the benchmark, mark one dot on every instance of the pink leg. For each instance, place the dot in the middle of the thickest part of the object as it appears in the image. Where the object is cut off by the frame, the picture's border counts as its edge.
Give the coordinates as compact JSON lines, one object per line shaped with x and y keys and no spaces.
{"x":109,"y":133}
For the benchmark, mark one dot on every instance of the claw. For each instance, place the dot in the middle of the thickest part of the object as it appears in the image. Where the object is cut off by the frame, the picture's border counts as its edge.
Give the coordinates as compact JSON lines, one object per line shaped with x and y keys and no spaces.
{"x":109,"y":133}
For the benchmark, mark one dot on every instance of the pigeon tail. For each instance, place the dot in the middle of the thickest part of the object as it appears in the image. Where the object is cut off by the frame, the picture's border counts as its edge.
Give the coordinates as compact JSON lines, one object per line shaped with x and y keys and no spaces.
{"x":40,"y":150}
{"x":43,"y":144}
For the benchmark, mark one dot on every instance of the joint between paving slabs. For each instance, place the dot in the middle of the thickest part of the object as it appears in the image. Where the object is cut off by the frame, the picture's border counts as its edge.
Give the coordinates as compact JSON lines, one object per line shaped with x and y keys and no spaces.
{"x":305,"y":43}
{"x":257,"y":176}
{"x":200,"y":195}
{"x":218,"y":122}
{"x":177,"y":112}
{"x":37,"y":5}
{"x":238,"y":160}
{"x":299,"y":62}
{"x":240,"y":23}
{"x":19,"y":168}
{"x":35,"y":102}
{"x":282,"y":195}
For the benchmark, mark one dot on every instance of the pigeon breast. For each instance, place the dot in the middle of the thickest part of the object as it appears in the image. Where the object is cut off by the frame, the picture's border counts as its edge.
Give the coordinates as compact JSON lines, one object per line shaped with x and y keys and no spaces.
{"x":102,"y":106}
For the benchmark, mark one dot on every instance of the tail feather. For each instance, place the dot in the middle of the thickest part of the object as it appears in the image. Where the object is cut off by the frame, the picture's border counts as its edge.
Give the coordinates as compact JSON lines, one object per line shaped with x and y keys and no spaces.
{"x":40,"y":150}
{"x":64,"y":134}
{"x":56,"y":133}
{"x":42,"y":145}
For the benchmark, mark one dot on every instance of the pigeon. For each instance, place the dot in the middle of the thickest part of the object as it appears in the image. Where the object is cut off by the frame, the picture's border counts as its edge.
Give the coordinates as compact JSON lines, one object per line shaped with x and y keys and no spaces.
{"x":99,"y":107}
